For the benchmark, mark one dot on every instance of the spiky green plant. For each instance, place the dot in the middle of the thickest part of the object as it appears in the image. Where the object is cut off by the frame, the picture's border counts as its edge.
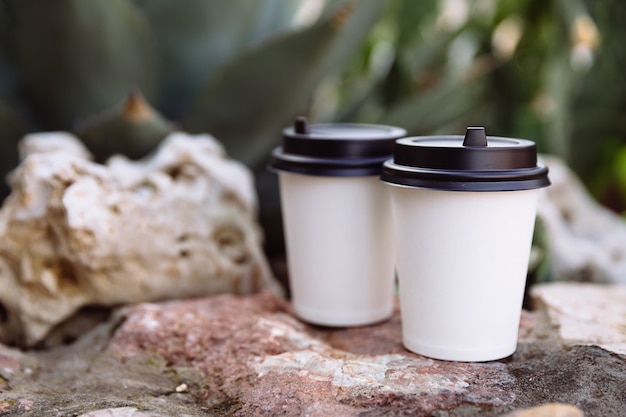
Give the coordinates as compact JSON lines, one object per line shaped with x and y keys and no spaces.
{"x":240,"y":70}
{"x":550,"y":71}
{"x":546,"y":70}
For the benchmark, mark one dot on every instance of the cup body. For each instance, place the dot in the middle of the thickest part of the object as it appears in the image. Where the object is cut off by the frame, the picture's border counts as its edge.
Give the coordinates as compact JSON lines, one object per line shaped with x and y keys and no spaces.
{"x":463,"y":210}
{"x":337,"y":220}
{"x":339,"y":248}
{"x":462,"y":260}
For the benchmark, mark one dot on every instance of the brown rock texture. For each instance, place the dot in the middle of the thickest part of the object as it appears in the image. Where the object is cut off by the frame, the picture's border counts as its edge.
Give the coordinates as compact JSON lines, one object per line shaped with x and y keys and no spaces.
{"x":263,"y":361}
{"x":233,"y":355}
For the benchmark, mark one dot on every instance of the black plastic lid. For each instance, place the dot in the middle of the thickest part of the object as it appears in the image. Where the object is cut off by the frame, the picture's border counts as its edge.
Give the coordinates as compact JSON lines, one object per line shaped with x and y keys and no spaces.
{"x":474,"y":162}
{"x":338,"y":150}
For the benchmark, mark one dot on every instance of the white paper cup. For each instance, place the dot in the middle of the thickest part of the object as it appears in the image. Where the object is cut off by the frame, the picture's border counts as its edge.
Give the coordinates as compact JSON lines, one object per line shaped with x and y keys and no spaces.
{"x":339,"y":248}
{"x":463,"y":229}
{"x":337,"y":221}
{"x":462,"y":259}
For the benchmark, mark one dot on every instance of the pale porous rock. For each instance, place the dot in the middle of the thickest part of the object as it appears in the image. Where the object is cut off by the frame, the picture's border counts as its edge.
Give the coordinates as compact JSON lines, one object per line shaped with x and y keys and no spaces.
{"x":549,"y":410}
{"x":46,"y":142}
{"x":116,"y":412}
{"x":74,"y":233}
{"x":586,"y":314}
{"x":586,"y":241}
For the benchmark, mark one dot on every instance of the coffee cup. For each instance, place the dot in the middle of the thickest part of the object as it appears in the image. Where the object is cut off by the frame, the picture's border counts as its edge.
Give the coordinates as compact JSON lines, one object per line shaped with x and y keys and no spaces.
{"x":463,"y":212}
{"x":337,"y":221}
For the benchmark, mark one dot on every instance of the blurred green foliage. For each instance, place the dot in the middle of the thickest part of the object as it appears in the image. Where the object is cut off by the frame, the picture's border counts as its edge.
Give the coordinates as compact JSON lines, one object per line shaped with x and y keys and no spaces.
{"x":546,"y":70}
{"x":240,"y":69}
{"x":550,"y":71}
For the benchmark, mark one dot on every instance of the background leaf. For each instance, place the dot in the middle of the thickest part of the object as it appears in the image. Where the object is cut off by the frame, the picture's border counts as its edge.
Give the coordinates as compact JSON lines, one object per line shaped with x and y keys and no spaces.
{"x":441,"y":106}
{"x":77,"y":58}
{"x":271,"y":84}
{"x":196,"y":40}
{"x":133,"y":128}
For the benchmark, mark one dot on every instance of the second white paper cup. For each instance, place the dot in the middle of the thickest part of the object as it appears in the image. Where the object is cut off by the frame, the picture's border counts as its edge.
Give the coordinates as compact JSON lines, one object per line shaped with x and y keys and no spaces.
{"x":339,"y":248}
{"x":462,"y":259}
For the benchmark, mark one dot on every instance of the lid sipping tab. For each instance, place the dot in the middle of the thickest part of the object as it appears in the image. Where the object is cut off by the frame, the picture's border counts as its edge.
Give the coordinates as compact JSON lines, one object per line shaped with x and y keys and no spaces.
{"x":301,"y":125}
{"x":475,"y":136}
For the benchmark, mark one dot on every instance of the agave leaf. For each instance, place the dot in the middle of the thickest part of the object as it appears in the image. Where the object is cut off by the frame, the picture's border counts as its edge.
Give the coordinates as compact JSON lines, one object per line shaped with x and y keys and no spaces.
{"x":132,"y":128}
{"x":252,"y":99}
{"x":77,"y":58}
{"x":356,"y":27}
{"x":434,"y":108}
{"x":196,"y":39}
{"x":559,"y":81}
{"x":410,"y":16}
{"x":270,"y":18}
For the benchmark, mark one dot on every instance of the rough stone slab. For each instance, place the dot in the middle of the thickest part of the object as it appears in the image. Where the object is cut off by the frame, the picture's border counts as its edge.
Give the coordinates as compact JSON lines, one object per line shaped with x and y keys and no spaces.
{"x":586,"y":314}
{"x":262,"y":360}
{"x":248,"y":356}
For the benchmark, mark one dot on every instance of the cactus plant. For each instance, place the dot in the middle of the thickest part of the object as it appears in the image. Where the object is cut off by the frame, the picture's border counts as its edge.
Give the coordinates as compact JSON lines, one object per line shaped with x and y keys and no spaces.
{"x":77,"y":58}
{"x":133,"y":126}
{"x":239,"y":70}
{"x":207,"y":64}
{"x":267,"y":100}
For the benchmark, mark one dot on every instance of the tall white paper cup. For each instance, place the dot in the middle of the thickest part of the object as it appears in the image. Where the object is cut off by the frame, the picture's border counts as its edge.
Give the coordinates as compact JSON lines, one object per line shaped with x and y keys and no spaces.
{"x":337,"y":221}
{"x":339,"y":248}
{"x":462,"y":259}
{"x":463,"y":213}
